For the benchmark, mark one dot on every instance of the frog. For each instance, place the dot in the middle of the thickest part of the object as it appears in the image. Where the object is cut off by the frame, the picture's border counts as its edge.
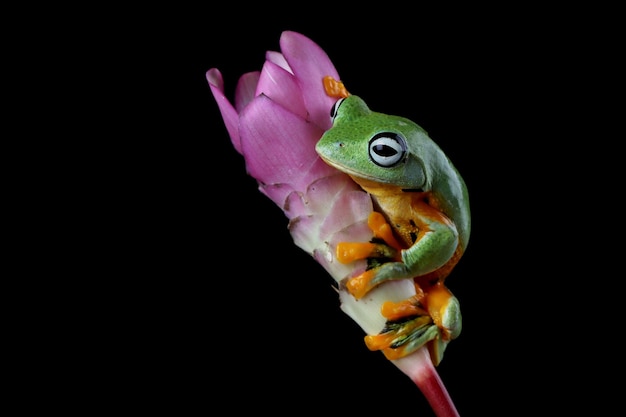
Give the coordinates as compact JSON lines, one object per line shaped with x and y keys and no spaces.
{"x":420,"y":220}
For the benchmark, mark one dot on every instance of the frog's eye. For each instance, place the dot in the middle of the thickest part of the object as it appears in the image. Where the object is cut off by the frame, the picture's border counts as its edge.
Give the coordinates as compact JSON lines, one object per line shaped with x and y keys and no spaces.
{"x":387,"y":149}
{"x":335,"y":108}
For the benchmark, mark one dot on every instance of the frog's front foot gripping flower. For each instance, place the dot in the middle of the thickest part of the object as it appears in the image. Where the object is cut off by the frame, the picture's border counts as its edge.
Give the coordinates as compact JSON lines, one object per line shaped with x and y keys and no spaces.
{"x":368,"y":195}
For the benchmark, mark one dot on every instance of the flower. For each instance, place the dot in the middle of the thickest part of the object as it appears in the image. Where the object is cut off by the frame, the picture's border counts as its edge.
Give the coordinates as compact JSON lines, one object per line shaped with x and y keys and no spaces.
{"x":278,"y":115}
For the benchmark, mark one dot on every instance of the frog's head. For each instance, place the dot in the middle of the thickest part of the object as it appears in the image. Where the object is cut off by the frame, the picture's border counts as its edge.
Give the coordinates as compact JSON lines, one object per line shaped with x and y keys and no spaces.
{"x":377,"y":147}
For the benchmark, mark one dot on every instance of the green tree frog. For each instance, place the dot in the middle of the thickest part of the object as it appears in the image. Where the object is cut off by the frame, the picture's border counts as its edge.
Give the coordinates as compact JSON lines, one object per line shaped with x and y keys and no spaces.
{"x":421,"y":221}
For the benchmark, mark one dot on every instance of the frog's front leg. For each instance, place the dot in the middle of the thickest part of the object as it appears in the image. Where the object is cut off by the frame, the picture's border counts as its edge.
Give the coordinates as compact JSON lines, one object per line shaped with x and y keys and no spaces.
{"x":431,"y":316}
{"x":383,"y":245}
{"x":434,"y":246}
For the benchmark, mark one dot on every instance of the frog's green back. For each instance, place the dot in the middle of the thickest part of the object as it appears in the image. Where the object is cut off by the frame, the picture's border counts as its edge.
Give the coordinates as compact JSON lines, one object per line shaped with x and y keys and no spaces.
{"x":396,"y":151}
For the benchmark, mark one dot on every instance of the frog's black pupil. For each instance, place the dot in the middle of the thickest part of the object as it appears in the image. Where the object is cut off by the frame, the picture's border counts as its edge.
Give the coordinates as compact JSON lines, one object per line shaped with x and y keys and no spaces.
{"x":384,"y":150}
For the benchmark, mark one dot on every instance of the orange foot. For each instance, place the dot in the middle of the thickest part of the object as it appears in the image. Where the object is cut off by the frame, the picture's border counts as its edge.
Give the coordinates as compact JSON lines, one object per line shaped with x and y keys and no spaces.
{"x":382,"y":248}
{"x":351,"y":251}
{"x":405,"y":308}
{"x":361,"y":284}
{"x":401,"y":338}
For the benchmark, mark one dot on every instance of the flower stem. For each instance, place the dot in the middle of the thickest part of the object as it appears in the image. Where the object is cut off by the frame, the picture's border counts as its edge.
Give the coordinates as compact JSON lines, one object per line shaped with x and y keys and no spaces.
{"x":419,"y":367}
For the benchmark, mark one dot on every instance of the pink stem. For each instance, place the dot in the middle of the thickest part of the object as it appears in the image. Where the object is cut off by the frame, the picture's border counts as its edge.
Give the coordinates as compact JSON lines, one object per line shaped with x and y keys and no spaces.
{"x":419,"y":367}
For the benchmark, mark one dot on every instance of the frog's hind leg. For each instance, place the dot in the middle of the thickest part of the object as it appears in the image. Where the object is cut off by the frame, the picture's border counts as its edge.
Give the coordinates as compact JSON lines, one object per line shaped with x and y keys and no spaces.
{"x":401,"y":337}
{"x":429,"y":316}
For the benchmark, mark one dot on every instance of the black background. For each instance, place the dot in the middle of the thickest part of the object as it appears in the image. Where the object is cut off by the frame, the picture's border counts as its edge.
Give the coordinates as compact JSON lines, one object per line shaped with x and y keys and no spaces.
{"x":224,"y":312}
{"x":259,"y":312}
{"x":274,"y":320}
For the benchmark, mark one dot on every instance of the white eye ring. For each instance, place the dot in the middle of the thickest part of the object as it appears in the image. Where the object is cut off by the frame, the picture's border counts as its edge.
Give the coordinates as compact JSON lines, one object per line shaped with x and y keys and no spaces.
{"x":387,"y":149}
{"x":335,"y":108}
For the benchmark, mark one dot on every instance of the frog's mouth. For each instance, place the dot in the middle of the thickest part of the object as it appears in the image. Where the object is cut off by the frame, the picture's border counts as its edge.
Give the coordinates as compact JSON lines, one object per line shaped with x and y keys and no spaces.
{"x":356,"y":176}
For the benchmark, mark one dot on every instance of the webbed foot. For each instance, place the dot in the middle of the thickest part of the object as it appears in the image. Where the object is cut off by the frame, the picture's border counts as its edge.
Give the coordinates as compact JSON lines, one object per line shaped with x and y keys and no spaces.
{"x":402,"y":337}
{"x":432,"y":317}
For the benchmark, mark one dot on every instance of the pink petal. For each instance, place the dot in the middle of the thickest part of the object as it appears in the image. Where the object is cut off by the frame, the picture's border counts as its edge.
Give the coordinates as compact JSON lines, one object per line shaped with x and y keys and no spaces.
{"x":351,"y":207}
{"x":282,"y":87}
{"x":304,"y":230}
{"x":310,"y":64}
{"x":229,"y":114}
{"x":331,"y":206}
{"x":322,"y":194}
{"x":246,"y":88}
{"x":356,"y":232}
{"x":281,"y":194}
{"x":278,"y":59}
{"x":278,"y":145}
{"x":295,"y":205}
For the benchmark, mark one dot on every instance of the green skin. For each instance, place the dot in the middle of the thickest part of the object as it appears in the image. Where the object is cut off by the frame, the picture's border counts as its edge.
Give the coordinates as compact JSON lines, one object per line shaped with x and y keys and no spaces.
{"x":415,"y":163}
